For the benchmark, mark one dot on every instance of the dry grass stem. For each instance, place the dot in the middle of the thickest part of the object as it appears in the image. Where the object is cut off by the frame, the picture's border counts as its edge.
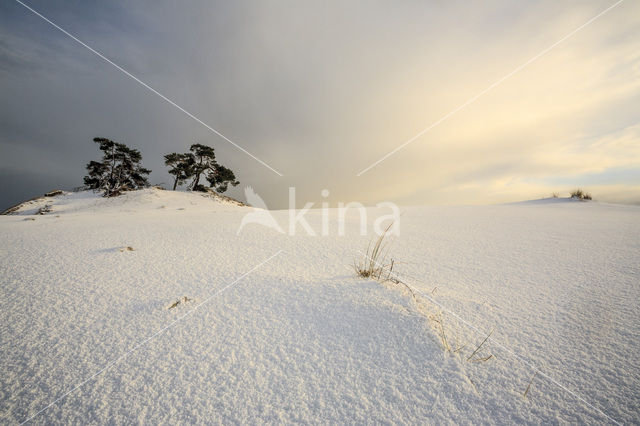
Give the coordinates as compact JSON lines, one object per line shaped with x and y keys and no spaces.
{"x":478,"y":348}
{"x":529,"y":386}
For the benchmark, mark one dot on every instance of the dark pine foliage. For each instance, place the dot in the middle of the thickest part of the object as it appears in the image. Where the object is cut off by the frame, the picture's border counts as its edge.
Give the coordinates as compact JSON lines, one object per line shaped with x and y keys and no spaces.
{"x":181,"y":165}
{"x":198,"y":164}
{"x":221,"y":177}
{"x":120,"y":169}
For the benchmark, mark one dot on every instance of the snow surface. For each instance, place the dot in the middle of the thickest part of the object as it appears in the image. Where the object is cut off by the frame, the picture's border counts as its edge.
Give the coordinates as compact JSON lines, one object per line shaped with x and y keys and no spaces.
{"x":279,"y":329}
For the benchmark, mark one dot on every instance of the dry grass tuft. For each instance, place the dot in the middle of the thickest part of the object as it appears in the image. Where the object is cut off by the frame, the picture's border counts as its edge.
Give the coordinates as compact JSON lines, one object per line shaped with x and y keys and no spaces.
{"x":373,"y":264}
{"x":579,"y":194}
{"x":44,"y":210}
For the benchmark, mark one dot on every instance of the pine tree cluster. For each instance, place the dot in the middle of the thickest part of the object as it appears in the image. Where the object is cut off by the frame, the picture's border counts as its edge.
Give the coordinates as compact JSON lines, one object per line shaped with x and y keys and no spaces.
{"x":120,"y":169}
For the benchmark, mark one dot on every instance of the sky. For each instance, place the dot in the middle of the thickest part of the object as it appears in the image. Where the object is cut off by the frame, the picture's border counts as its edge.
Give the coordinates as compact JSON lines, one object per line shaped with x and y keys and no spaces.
{"x":320,"y":91}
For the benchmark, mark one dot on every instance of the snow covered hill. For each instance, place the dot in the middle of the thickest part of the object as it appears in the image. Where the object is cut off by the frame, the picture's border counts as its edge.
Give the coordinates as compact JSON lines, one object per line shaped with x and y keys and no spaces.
{"x":276,"y":328}
{"x":134,"y":201}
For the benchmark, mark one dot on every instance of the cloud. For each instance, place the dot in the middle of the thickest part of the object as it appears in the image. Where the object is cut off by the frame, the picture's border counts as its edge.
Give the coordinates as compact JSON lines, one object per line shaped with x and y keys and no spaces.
{"x":321,"y":90}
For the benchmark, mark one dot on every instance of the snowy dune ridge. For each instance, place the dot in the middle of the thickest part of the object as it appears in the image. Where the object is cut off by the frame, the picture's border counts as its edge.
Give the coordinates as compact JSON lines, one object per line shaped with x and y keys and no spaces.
{"x":277,"y":328}
{"x":146,"y":199}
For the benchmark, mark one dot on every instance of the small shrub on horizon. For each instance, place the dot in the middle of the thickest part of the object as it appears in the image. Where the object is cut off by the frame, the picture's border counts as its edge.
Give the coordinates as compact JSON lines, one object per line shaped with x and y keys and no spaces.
{"x":579,"y":194}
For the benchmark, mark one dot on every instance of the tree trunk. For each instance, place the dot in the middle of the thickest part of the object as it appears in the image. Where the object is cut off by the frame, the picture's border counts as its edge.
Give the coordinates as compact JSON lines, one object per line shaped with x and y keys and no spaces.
{"x":175,"y":183}
{"x":196,"y":181}
{"x":113,"y":161}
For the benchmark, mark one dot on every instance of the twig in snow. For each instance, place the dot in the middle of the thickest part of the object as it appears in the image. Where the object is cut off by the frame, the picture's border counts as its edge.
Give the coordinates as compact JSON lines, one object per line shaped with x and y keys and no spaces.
{"x":529,"y":386}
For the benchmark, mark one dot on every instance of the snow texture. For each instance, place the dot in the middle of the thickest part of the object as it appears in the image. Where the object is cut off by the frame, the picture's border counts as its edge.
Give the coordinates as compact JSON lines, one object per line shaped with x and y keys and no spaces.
{"x":87,"y":336}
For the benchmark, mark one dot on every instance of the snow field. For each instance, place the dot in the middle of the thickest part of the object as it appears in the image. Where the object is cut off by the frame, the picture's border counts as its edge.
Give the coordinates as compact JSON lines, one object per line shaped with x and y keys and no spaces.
{"x":300,"y":339}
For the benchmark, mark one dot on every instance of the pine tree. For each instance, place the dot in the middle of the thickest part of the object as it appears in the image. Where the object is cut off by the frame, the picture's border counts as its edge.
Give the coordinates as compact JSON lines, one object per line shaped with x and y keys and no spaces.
{"x":204,"y":161}
{"x":201,"y":161}
{"x":119,"y":170}
{"x":181,"y":165}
